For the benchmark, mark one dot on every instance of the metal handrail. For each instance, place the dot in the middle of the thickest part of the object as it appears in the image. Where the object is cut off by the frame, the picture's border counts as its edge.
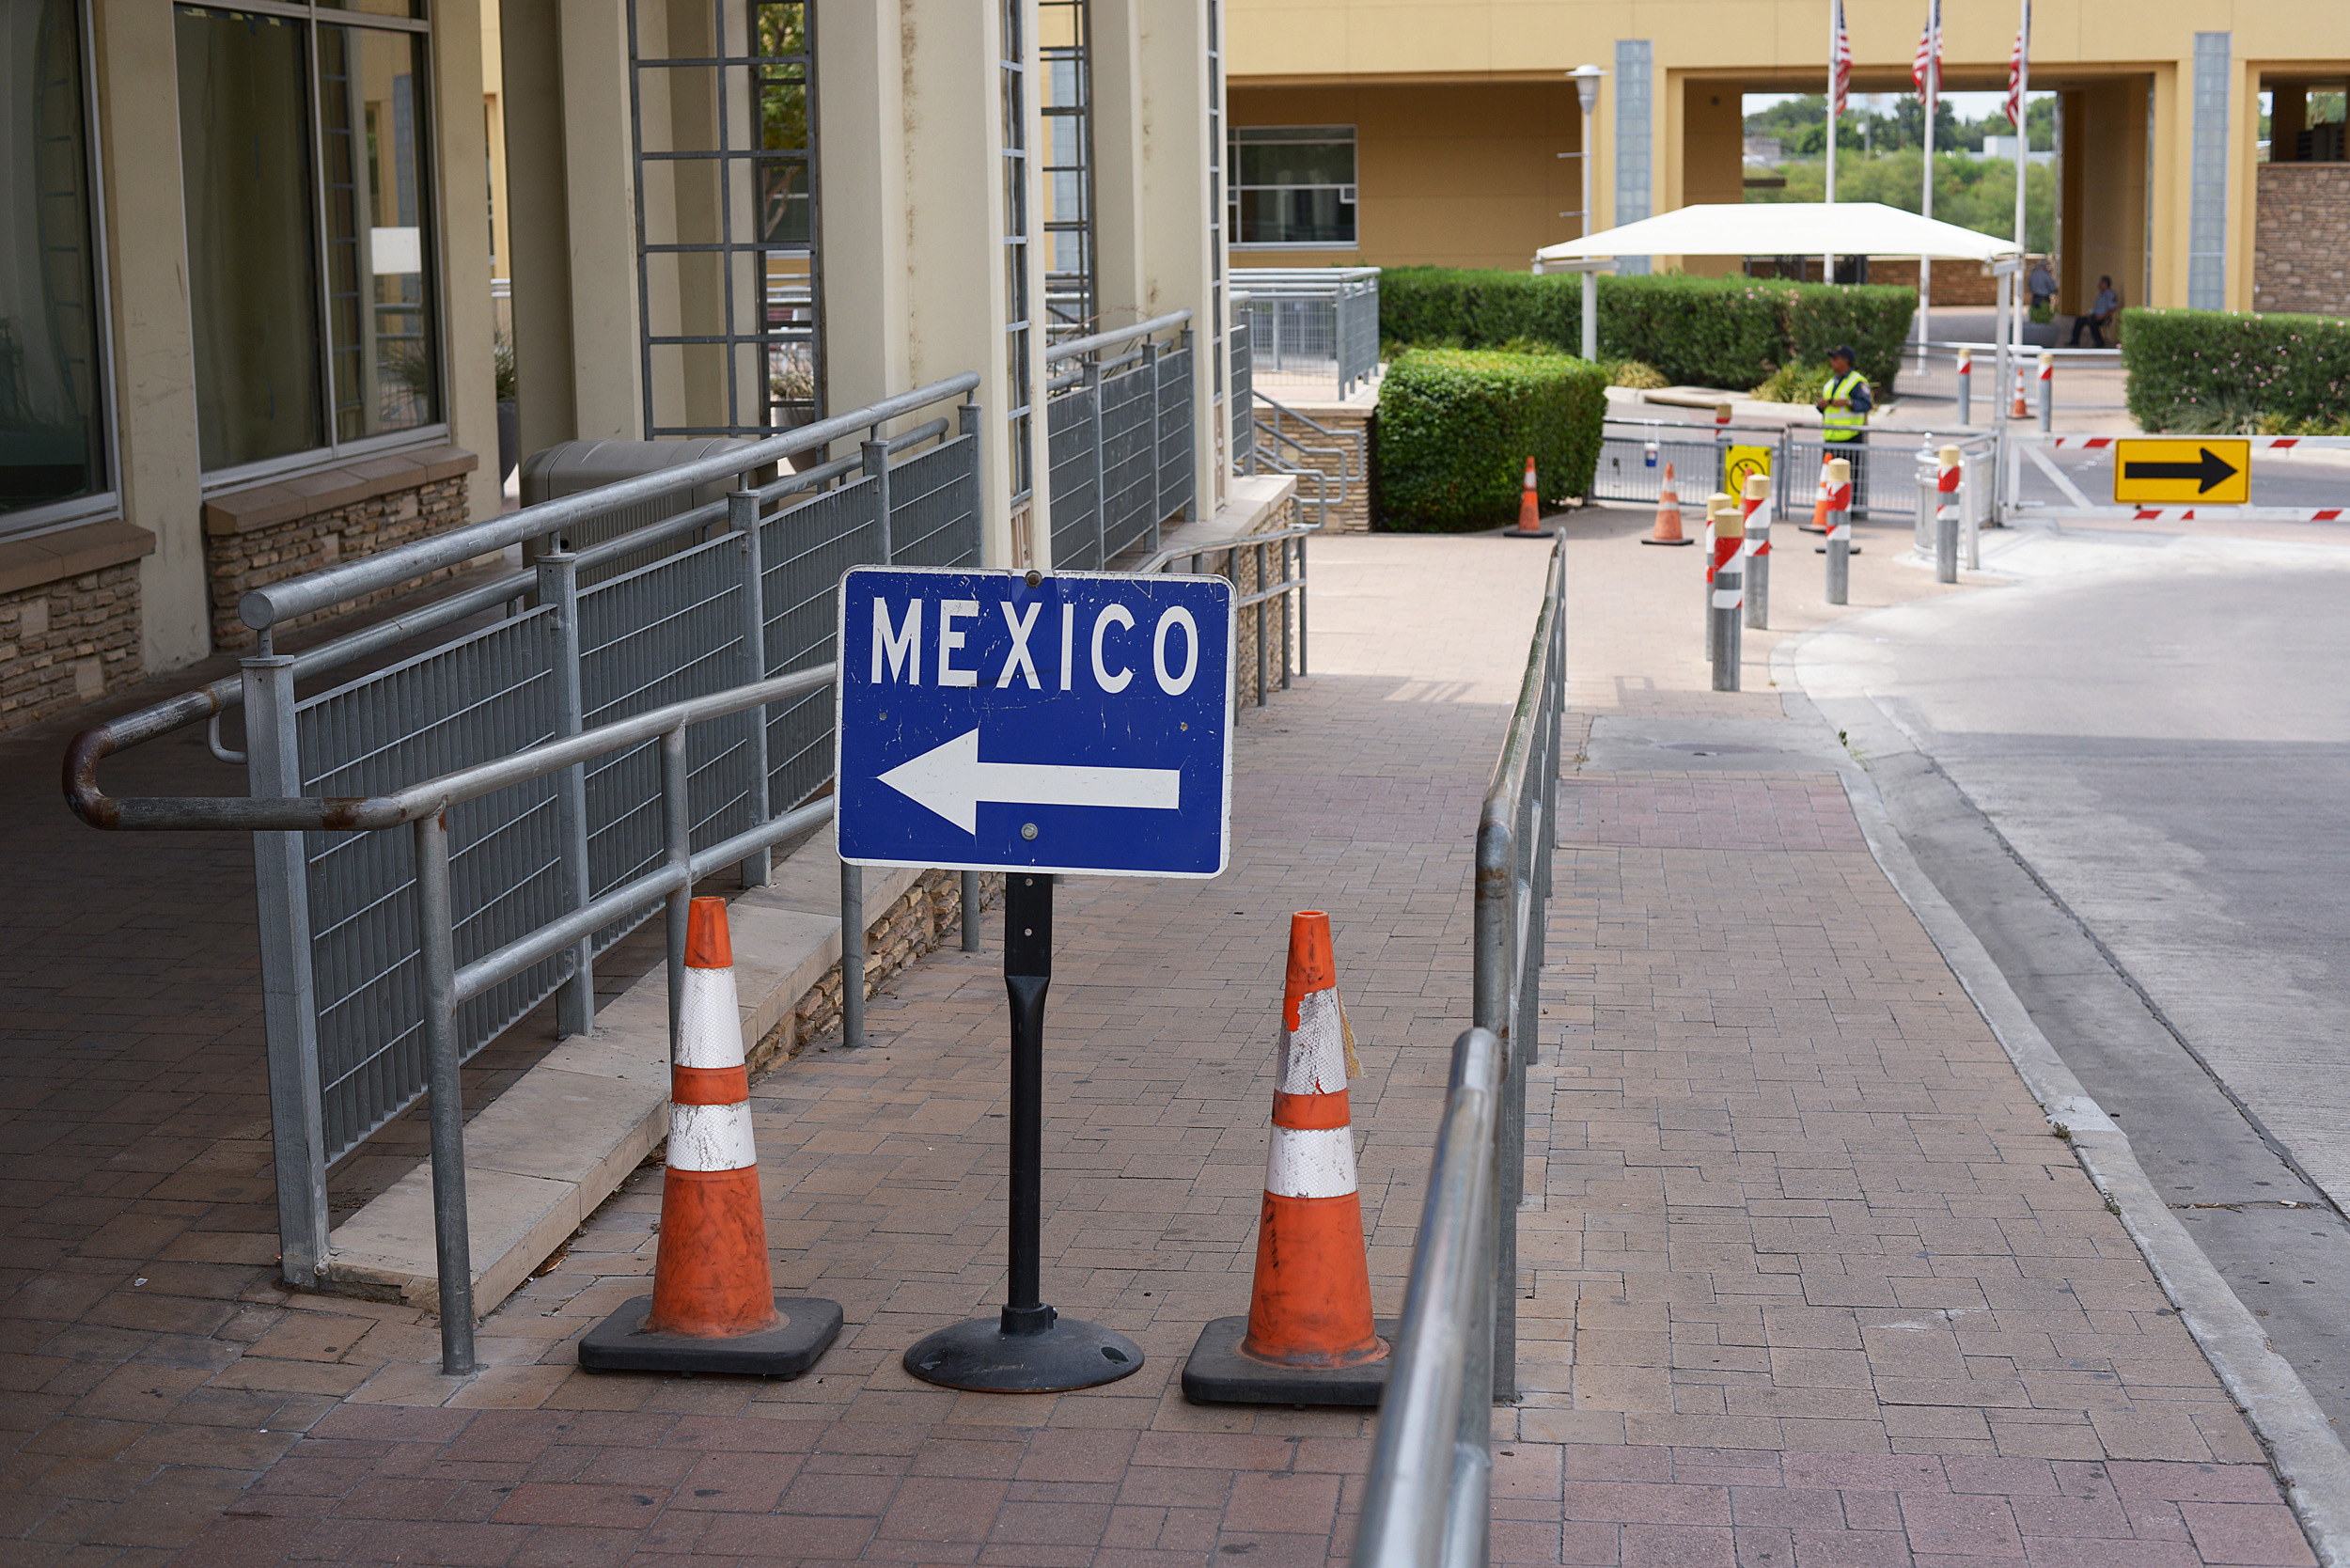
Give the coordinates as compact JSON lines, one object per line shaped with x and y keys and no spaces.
{"x":272,"y":603}
{"x":1076,"y":348}
{"x":1429,"y":1492}
{"x":1290,"y":589}
{"x":1515,"y":838}
{"x":424,"y":807}
{"x":1426,"y":1497}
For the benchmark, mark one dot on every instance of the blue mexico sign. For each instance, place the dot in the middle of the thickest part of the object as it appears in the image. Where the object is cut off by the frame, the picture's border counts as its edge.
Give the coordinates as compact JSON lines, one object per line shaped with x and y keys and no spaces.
{"x":993,"y":720}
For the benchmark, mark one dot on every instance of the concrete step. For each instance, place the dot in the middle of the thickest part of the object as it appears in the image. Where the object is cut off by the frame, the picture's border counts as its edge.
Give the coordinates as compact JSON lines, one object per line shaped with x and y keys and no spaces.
{"x":563,"y":1136}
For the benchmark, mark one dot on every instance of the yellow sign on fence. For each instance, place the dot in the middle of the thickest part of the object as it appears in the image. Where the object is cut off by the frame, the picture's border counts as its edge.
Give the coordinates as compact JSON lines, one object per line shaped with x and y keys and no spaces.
{"x":1738,"y":463}
{"x":2209,"y":471}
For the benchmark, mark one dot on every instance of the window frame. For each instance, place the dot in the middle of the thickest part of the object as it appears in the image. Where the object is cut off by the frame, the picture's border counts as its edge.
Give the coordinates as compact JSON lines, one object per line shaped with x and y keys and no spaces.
{"x":1235,"y":137}
{"x":332,"y":453}
{"x":106,"y":501}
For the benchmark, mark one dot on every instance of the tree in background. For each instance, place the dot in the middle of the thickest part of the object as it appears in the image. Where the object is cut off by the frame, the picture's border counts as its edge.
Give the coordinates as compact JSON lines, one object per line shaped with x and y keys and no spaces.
{"x":1973,"y":193}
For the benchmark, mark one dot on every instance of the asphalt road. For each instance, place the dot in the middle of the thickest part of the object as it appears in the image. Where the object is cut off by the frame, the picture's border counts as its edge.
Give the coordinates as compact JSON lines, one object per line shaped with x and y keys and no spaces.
{"x":2135,"y":785}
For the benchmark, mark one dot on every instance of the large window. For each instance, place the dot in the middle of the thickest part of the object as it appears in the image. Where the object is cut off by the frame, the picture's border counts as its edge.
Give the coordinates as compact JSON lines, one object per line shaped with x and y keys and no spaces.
{"x":53,"y":441}
{"x":1293,"y":185}
{"x":310,"y":230}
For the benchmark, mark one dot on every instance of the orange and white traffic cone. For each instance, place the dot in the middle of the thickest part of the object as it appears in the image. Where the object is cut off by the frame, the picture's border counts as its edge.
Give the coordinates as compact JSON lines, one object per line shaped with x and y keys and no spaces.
{"x":714,"y":1306}
{"x":1818,"y":499}
{"x":2022,"y":410}
{"x":1667,"y":529}
{"x":1309,"y":1337}
{"x":1529,"y":509}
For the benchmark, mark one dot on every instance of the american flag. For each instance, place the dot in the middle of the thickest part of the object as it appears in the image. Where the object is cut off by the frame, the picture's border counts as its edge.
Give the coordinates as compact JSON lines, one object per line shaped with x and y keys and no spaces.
{"x":1839,"y":66}
{"x":1929,"y":52}
{"x":2015,"y":70}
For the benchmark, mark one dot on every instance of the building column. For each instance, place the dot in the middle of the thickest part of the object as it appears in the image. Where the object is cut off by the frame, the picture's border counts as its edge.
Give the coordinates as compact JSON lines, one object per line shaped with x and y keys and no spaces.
{"x":861,"y":202}
{"x":578,"y":351}
{"x":152,"y":379}
{"x":468,"y":319}
{"x":1118,"y":161}
{"x":956,"y":302}
{"x":1177,"y":270}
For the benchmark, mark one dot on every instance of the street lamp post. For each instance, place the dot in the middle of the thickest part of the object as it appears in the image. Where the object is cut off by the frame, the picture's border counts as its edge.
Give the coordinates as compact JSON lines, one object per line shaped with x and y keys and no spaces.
{"x":1586,"y":88}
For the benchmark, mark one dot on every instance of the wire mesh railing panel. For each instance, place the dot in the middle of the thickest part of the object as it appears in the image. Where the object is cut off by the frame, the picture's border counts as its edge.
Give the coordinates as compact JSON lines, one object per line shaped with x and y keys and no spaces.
{"x":661,"y":635}
{"x":803,"y":553}
{"x":1882,"y":472}
{"x":1129,"y":459}
{"x":934,"y":506}
{"x":482,"y":696}
{"x":1069,"y":427}
{"x":1625,"y":473}
{"x":1176,"y":471}
{"x":1244,"y":395}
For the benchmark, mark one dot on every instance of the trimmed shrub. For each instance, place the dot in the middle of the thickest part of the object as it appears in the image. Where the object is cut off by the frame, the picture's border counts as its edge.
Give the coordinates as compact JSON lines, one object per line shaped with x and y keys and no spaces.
{"x":2209,"y":371}
{"x":1456,"y":427}
{"x":1792,"y":384}
{"x":1713,"y":331}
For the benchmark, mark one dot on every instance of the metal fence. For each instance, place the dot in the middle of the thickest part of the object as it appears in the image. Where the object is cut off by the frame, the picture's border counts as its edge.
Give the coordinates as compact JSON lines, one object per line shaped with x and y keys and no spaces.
{"x":1260,"y":590}
{"x":1118,"y":431}
{"x":1456,"y":1354}
{"x":743,"y":593}
{"x":1312,"y":322}
{"x":1243,"y":388}
{"x":1634,"y":453}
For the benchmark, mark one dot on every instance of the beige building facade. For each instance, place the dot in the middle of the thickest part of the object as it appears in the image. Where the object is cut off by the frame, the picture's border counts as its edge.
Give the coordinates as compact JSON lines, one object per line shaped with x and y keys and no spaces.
{"x":1451,"y":133}
{"x":247,"y":323}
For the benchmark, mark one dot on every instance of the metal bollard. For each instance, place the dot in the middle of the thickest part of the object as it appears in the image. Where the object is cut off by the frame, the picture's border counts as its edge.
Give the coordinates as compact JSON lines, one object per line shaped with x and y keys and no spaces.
{"x":970,"y":912}
{"x":1838,"y":531}
{"x":1757,"y":504}
{"x":1946,"y":515}
{"x":1728,"y":595}
{"x":1713,"y":507}
{"x":2047,"y":392}
{"x":1965,"y":386}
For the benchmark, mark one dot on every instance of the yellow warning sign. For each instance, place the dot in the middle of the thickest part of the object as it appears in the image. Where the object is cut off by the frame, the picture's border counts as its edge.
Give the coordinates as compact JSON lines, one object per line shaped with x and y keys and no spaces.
{"x":1741,"y":461}
{"x":2211,"y":471}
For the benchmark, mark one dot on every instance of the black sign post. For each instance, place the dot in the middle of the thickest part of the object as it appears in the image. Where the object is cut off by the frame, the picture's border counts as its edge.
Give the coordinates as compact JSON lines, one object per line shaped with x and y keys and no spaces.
{"x":1028,"y":1348}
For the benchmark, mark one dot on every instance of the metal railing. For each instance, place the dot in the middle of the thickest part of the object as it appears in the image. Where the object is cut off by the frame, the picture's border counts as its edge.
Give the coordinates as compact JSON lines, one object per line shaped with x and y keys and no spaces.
{"x":744,"y":592}
{"x":1430,"y":1481}
{"x":1427,"y":1497}
{"x":1117,"y":432}
{"x":1312,"y":322}
{"x":1269,"y":437}
{"x":1288,"y":589}
{"x":447,"y":985}
{"x":1243,"y":388}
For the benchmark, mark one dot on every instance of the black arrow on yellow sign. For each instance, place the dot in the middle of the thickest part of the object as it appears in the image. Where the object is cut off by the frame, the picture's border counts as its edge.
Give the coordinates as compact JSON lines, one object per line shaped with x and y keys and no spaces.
{"x":2209,"y":470}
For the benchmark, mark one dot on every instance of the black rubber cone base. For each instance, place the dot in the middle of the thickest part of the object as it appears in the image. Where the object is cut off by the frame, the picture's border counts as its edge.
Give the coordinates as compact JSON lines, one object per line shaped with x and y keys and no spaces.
{"x":1520,"y":533}
{"x":787,"y":1350}
{"x":1219,"y":1373}
{"x":1668,"y":541}
{"x":977,"y":1354}
{"x":1822,"y":549}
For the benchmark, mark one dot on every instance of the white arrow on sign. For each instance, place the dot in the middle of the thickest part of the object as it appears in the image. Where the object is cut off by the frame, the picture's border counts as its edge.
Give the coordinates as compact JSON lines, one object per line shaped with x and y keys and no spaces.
{"x":951,"y":781}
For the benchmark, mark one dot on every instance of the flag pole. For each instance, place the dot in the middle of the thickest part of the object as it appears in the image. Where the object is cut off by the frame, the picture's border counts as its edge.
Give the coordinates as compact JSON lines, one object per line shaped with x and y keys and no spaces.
{"x":2023,"y":152}
{"x":1835,"y":28}
{"x":1933,"y":99}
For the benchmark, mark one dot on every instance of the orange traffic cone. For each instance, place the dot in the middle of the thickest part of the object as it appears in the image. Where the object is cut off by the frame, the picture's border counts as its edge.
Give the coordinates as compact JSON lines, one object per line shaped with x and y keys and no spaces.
{"x":1529,"y":510}
{"x":1309,"y":1338}
{"x":1820,"y":498}
{"x":2022,"y":409}
{"x":1668,"y":530}
{"x":714,"y":1306}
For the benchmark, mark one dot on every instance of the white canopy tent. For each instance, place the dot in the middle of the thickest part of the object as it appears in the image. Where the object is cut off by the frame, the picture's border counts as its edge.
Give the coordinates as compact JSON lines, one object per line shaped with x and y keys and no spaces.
{"x":1784,"y":229}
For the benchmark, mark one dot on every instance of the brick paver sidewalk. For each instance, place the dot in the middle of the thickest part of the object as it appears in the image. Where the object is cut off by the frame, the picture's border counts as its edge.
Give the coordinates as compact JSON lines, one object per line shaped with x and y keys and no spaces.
{"x":1809,"y":1282}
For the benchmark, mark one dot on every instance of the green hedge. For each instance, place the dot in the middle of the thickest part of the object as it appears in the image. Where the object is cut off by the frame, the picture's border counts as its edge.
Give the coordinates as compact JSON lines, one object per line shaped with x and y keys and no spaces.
{"x":1710,"y":332}
{"x":2206,"y":372}
{"x":1456,"y":427}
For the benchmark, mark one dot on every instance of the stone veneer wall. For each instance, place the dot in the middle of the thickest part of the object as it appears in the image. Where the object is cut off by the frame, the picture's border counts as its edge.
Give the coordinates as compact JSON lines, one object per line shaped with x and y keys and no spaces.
{"x":2301,"y":239}
{"x":282,"y":530}
{"x":1243,"y":571}
{"x":918,"y":923}
{"x":66,"y":643}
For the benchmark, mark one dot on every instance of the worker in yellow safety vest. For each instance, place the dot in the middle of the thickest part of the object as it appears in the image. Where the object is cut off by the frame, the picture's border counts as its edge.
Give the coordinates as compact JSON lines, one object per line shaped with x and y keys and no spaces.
{"x":1844,"y":404}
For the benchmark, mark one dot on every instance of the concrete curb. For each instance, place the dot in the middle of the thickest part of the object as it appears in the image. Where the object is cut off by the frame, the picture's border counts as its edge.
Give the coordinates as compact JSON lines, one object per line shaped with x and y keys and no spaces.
{"x":2302,"y":1445}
